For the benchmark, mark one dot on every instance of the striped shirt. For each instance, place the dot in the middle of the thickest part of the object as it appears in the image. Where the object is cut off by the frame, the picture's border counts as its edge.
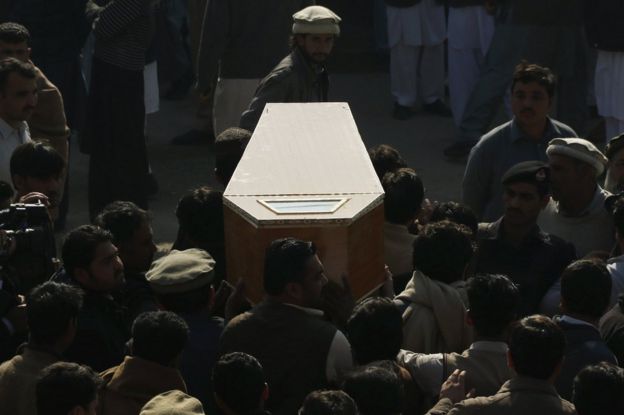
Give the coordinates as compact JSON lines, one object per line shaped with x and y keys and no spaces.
{"x":123,"y":30}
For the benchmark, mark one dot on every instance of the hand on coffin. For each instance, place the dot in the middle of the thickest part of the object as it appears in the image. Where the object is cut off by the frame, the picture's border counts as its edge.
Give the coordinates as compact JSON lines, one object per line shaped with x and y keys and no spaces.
{"x":338,"y":301}
{"x":236,"y":303}
{"x":219,"y":299}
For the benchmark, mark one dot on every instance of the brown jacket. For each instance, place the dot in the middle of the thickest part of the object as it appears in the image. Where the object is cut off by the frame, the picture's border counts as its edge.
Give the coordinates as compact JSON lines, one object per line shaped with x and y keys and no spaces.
{"x":18,"y":378}
{"x":129,"y":386}
{"x":518,"y":396}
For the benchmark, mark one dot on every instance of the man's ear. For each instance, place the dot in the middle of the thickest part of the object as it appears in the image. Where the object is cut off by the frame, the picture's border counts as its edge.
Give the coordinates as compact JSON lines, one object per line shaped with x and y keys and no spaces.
{"x":544,"y":202}
{"x":510,"y":361}
{"x":77,"y":410}
{"x":266,"y":392}
{"x":294,"y":290}
{"x":469,"y":319}
{"x":81,"y":275}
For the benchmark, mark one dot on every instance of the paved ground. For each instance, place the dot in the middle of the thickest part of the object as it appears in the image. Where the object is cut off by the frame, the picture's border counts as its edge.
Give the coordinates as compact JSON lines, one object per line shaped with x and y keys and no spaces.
{"x":420,"y":140}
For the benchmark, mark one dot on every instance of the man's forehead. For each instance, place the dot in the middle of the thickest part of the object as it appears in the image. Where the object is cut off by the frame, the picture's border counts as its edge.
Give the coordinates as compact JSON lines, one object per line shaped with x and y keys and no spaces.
{"x":532,"y":86}
{"x":104,"y":250}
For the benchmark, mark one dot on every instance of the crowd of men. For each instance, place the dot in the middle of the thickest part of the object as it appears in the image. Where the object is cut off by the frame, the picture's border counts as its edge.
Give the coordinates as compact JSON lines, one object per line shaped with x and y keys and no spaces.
{"x":510,"y":300}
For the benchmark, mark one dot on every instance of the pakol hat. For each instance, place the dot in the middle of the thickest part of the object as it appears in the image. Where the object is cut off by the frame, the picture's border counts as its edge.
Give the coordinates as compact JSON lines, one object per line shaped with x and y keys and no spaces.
{"x":174,"y":402}
{"x":317,"y":20}
{"x":181,"y":271}
{"x":579,"y":149}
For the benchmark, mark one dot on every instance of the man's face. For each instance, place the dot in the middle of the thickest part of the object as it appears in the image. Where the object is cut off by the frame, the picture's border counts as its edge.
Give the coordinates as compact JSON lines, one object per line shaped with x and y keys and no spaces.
{"x":616,"y":171}
{"x":314,"y":280}
{"x":316,"y":47}
{"x":566,"y":174}
{"x":137,"y":253}
{"x":530,"y":103}
{"x":49,"y":186}
{"x":106,"y":271}
{"x":523,"y":204}
{"x":19,"y":51}
{"x":18,"y":99}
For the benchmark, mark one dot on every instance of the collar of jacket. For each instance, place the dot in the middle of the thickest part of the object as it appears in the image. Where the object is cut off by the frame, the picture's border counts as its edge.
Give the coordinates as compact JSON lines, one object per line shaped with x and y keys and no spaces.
{"x":494,"y":231}
{"x":527,"y":384}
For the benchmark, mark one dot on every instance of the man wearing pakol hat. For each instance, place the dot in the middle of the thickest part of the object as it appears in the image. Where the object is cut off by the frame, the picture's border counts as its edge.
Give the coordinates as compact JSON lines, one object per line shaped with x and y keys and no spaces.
{"x":614,"y":182}
{"x":182,"y":283}
{"x":577,"y":213}
{"x":301,"y":76}
{"x":515,"y":245}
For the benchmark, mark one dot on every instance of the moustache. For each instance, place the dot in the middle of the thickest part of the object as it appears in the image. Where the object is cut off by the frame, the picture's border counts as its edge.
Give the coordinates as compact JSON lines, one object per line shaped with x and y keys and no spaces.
{"x":527,"y":111}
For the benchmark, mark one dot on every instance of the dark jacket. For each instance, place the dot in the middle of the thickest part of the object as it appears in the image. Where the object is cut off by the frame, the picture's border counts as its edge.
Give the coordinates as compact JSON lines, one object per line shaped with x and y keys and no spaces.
{"x":200,"y":355}
{"x":535,"y":266}
{"x":603,"y":21}
{"x":583,"y":347}
{"x":244,"y":39}
{"x":101,"y":334}
{"x":292,"y":347}
{"x":293,"y":80}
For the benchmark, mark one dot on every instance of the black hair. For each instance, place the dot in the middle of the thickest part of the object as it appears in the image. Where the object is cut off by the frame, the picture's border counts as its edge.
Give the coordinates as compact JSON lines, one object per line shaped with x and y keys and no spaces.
{"x":200,"y":216}
{"x":376,"y":390}
{"x":229,"y":148}
{"x":527,"y":72}
{"x":239,"y":382}
{"x":404,"y":195}
{"x":62,"y":386}
{"x":494,"y":302}
{"x":11,"y":32}
{"x":598,"y":390}
{"x":186,"y":302}
{"x":536,"y":346}
{"x":122,"y":219}
{"x":328,"y":403}
{"x":375,"y":330}
{"x":586,"y":288}
{"x":385,"y":159}
{"x":80,"y":246}
{"x":455,"y":212}
{"x":159,"y":336}
{"x":442,"y":250}
{"x":12,"y":65}
{"x":36,"y":159}
{"x":284,"y":263}
{"x":51,"y":306}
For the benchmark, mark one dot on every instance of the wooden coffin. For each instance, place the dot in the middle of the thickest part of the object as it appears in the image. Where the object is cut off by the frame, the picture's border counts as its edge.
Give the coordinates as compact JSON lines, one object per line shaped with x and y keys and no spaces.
{"x":306,"y":174}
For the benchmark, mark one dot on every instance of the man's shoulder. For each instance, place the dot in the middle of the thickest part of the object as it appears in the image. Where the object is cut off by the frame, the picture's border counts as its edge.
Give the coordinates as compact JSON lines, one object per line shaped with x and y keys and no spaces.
{"x":563,"y":130}
{"x":496,"y":135}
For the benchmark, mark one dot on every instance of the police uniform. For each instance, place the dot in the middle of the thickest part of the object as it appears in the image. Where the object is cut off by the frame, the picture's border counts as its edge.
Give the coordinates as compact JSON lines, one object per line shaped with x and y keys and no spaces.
{"x":538,"y":262}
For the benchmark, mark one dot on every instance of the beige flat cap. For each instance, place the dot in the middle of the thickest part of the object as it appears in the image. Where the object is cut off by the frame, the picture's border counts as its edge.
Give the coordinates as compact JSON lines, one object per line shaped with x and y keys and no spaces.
{"x":174,"y":402}
{"x":579,"y":149}
{"x":316,"y":20}
{"x":181,"y":271}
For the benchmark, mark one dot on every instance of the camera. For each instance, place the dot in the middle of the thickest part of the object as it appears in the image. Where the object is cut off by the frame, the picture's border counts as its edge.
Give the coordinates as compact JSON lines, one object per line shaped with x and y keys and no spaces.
{"x":27,"y":245}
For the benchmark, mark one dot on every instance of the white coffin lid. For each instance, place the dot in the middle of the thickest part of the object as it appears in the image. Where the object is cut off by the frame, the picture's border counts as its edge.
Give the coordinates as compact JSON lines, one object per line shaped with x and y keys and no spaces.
{"x":304,"y":151}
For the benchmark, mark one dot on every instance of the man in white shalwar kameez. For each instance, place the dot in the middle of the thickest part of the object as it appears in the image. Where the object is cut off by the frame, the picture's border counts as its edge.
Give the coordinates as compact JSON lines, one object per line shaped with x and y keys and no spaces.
{"x":416,"y":34}
{"x":470,"y":30}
